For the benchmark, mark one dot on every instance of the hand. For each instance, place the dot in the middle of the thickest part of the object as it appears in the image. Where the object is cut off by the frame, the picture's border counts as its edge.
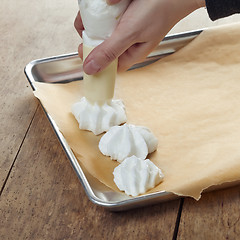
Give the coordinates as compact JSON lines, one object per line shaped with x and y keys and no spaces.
{"x":141,"y":28}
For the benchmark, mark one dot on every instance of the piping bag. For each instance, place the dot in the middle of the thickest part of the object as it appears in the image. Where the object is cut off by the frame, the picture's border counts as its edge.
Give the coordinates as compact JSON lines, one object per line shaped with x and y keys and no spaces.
{"x":97,"y":111}
{"x":99,"y":20}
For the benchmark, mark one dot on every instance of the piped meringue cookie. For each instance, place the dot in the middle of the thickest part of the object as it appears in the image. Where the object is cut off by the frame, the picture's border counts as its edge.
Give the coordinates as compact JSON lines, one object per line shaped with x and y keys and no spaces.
{"x":127,"y":140}
{"x":135,"y":176}
{"x":99,"y":118}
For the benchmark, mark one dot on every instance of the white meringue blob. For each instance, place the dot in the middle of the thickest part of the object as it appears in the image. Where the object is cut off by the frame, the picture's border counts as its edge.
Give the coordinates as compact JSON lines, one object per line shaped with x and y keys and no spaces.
{"x":135,"y":176}
{"x":99,"y":18}
{"x":99,"y":118}
{"x":127,"y":140}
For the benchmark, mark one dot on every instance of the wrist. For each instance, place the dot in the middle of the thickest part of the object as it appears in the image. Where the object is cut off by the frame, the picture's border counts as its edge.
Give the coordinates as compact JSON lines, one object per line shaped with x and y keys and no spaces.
{"x":188,"y":6}
{"x":201,"y":3}
{"x":184,"y":7}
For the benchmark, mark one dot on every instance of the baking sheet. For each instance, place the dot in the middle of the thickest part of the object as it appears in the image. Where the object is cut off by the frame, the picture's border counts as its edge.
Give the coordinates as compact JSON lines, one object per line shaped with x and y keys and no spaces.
{"x":195,"y":93}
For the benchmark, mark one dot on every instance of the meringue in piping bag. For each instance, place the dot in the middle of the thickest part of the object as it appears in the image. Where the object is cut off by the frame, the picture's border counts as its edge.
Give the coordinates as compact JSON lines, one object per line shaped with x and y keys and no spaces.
{"x":127,"y":140}
{"x":135,"y":176}
{"x":100,"y":19}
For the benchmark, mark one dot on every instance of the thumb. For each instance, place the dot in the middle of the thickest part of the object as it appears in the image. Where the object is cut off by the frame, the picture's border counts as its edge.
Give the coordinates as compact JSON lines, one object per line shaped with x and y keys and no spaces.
{"x":105,"y":53}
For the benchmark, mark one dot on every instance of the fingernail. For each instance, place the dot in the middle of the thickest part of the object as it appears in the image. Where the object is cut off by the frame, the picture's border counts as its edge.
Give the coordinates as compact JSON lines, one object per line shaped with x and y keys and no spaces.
{"x":112,"y":2}
{"x":91,"y":68}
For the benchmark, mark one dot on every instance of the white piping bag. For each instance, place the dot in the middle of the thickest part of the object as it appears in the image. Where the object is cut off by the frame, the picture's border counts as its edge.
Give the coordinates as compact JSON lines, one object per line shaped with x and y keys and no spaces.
{"x":99,"y":20}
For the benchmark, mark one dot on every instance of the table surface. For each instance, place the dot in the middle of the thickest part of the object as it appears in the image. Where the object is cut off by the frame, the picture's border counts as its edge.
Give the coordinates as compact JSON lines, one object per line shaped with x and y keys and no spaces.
{"x":40,"y":195}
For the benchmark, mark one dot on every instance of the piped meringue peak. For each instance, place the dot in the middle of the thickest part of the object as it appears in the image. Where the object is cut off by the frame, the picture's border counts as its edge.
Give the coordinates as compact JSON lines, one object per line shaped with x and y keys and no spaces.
{"x":135,"y":176}
{"x":99,"y":118}
{"x":127,"y":140}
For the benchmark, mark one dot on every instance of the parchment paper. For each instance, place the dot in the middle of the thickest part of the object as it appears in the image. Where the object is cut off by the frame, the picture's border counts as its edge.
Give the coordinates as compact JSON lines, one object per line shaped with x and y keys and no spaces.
{"x":190,"y":100}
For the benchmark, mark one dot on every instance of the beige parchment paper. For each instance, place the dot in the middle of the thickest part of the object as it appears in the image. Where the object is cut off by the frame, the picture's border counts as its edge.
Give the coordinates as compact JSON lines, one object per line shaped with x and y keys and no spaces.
{"x":191,"y":102}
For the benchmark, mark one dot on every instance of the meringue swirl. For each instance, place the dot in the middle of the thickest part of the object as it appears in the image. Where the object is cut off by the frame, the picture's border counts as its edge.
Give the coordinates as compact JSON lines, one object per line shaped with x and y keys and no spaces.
{"x":135,"y":176}
{"x":127,"y":140}
{"x":99,"y":118}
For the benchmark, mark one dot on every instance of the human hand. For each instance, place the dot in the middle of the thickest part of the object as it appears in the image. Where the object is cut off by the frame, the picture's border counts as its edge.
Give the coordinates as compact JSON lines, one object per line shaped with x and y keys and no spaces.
{"x":139,"y":31}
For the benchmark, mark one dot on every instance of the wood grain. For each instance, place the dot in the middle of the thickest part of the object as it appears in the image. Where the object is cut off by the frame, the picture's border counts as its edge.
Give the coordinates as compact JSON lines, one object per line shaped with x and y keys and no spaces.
{"x":28,"y":30}
{"x":43,"y":199}
{"x":215,"y":216}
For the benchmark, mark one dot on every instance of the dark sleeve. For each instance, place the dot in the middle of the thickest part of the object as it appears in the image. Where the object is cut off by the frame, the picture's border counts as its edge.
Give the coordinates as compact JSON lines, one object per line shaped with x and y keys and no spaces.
{"x":222,"y":8}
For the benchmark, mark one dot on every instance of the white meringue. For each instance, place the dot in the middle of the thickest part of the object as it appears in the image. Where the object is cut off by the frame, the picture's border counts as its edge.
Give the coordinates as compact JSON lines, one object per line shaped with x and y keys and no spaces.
{"x":127,"y":140}
{"x":99,"y":118}
{"x":99,"y":18}
{"x":135,"y":176}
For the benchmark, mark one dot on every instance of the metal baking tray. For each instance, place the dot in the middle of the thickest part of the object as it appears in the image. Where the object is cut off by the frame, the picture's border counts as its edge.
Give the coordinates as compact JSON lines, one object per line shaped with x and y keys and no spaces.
{"x":68,"y":68}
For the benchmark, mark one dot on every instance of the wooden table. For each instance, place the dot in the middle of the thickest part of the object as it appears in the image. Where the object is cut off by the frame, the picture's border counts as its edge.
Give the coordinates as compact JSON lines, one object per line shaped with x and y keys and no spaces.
{"x":40,"y":195}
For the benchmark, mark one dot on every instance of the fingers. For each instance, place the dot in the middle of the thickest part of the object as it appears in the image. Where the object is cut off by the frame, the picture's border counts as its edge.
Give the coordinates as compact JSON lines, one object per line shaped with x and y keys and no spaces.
{"x":80,"y":51}
{"x":78,"y":24}
{"x":135,"y":54}
{"x":106,"y":52}
{"x":111,"y":2}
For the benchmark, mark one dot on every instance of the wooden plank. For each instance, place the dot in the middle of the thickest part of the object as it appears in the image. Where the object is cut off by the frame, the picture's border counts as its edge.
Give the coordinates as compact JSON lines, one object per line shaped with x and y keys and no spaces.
{"x":28,"y":30}
{"x":215,"y":216}
{"x":43,"y":199}
{"x":16,"y":110}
